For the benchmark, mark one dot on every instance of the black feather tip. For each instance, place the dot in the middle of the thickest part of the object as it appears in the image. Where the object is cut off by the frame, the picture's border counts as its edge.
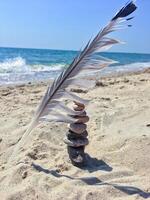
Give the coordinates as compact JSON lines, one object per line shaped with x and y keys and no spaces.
{"x":125,"y":11}
{"x":129,"y":18}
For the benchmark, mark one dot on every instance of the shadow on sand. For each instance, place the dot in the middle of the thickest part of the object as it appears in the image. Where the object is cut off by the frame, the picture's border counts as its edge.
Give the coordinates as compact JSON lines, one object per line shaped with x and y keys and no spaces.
{"x":95,"y":165}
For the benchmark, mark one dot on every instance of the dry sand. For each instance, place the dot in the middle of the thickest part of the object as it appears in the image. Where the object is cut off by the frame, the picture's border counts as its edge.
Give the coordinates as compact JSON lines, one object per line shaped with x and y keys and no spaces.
{"x":118,"y":153}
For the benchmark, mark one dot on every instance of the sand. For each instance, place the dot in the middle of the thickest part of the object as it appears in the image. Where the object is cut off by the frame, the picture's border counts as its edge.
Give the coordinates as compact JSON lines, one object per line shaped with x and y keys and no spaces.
{"x":118,"y":153}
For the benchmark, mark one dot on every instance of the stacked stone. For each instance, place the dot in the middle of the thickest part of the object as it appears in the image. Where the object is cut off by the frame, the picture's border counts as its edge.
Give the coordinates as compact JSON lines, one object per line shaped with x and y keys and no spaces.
{"x":76,"y":137}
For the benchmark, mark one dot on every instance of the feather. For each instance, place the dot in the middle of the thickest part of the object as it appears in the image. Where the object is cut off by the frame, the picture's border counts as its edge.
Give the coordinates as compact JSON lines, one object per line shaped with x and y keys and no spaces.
{"x":125,"y":11}
{"x":86,"y":62}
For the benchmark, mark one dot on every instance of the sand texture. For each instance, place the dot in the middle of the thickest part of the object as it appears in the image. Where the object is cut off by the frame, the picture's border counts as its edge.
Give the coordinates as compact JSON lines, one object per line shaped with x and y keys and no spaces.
{"x":118,"y":154}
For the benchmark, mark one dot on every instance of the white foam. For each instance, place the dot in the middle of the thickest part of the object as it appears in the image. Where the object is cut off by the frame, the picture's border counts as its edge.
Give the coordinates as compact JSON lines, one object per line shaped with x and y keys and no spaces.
{"x":44,"y":68}
{"x":128,"y":67}
{"x":12,"y":65}
{"x":16,"y":70}
{"x":18,"y":65}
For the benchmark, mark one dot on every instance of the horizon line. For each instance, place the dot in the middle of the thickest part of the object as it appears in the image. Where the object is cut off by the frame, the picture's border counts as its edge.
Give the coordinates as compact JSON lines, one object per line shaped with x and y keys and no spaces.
{"x":34,"y":48}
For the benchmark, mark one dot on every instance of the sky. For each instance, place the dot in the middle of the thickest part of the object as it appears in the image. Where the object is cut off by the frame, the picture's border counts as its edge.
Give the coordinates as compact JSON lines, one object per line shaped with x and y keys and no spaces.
{"x":69,"y":24}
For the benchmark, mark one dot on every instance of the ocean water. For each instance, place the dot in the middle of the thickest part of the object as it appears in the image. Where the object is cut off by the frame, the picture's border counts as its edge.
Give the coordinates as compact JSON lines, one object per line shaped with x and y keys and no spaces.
{"x":18,"y":65}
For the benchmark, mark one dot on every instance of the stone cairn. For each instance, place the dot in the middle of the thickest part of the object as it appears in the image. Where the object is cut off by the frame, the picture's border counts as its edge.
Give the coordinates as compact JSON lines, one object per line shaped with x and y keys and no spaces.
{"x":76,"y":137}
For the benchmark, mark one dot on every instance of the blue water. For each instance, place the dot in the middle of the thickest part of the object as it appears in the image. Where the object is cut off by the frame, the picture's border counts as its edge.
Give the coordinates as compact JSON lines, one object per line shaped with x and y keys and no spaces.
{"x":19,"y":65}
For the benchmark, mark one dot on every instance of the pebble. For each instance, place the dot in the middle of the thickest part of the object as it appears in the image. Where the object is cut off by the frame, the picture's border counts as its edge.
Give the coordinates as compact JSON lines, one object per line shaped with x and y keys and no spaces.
{"x":83,"y":119}
{"x":77,"y":128}
{"x":79,"y":104}
{"x":77,"y":156}
{"x":24,"y":175}
{"x":78,"y":90}
{"x":121,"y":87}
{"x":6,"y":93}
{"x":79,"y":113}
{"x":83,"y":114}
{"x":78,"y":108}
{"x":71,"y":135}
{"x":76,"y":142}
{"x":2,"y":167}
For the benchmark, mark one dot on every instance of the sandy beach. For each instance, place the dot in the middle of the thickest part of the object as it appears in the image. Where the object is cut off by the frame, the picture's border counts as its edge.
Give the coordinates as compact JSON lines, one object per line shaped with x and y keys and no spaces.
{"x":118,"y":153}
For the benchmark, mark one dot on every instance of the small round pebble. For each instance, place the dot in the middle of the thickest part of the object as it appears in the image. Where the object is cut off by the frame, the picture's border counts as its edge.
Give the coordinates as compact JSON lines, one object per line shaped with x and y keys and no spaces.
{"x":24,"y":175}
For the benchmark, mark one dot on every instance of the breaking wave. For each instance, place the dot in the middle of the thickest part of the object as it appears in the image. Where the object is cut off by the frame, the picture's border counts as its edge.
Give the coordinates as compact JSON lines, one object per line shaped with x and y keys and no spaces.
{"x":19,"y":65}
{"x":17,"y":70}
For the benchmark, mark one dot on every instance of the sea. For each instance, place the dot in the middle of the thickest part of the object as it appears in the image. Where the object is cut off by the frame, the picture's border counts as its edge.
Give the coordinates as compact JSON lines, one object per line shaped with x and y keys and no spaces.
{"x":20,"y":65}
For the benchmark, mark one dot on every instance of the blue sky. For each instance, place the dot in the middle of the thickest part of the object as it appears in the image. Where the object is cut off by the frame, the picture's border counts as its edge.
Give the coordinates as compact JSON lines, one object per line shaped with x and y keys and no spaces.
{"x":69,"y":24}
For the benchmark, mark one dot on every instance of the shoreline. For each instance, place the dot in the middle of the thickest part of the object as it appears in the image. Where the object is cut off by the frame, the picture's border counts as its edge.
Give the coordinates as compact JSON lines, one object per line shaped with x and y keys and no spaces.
{"x":103,"y":76}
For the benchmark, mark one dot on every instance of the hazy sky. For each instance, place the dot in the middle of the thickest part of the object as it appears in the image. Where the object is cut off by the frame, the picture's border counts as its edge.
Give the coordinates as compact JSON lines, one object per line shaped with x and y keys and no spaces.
{"x":69,"y":24}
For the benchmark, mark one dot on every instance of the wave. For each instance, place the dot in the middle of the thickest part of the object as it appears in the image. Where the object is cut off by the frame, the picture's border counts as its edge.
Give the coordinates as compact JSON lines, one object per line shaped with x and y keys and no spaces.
{"x":16,"y":70}
{"x":12,"y":64}
{"x":19,"y":65}
{"x":137,"y":66}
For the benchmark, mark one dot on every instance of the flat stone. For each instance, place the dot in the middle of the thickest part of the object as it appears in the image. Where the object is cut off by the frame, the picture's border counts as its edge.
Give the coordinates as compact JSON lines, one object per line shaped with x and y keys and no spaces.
{"x":79,"y":113}
{"x":77,"y":128}
{"x":79,"y":104}
{"x":76,"y":142}
{"x":78,"y":108}
{"x":82,"y":114}
{"x":83,"y":119}
{"x":72,"y":135}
